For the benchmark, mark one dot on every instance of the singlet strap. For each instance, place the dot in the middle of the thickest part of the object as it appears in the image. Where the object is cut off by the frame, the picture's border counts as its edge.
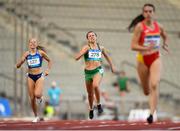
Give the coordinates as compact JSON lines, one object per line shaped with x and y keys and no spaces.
{"x":98,"y":46}
{"x":37,"y":52}
{"x":89,"y":46}
{"x":143,"y":25}
{"x":28,"y":54}
{"x":156,"y":26}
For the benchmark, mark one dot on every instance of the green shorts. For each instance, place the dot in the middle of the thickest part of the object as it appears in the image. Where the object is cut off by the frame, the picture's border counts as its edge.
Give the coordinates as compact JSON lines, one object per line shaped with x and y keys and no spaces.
{"x":89,"y":74}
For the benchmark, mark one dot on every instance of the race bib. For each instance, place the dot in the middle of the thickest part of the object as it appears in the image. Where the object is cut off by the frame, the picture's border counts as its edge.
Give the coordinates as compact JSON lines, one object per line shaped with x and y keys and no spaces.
{"x":33,"y":62}
{"x":152,"y":40}
{"x":94,"y":54}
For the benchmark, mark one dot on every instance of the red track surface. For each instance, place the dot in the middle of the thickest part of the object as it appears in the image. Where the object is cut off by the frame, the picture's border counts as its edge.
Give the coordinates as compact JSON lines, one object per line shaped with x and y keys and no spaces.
{"x":87,"y":125}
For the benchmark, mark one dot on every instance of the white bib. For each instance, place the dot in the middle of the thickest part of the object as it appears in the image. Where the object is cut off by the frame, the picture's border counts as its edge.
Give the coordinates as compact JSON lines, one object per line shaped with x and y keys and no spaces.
{"x":33,"y":62}
{"x":152,"y":40}
{"x":94,"y":54}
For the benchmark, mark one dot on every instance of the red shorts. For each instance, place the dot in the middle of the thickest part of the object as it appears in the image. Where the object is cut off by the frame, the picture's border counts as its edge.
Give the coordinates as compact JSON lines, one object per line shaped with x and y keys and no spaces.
{"x":149,"y":59}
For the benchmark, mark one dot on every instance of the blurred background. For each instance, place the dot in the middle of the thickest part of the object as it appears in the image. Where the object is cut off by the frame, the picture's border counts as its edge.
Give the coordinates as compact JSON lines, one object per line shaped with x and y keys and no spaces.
{"x":61,"y":27}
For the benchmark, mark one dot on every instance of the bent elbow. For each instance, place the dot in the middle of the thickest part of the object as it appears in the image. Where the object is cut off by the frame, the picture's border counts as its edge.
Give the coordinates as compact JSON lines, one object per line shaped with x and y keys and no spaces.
{"x":76,"y":58}
{"x":133,"y":47}
{"x":49,"y":61}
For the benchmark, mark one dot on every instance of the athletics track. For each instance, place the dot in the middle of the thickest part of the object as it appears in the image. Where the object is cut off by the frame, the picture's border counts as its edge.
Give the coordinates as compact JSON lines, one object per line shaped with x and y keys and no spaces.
{"x":86,"y":125}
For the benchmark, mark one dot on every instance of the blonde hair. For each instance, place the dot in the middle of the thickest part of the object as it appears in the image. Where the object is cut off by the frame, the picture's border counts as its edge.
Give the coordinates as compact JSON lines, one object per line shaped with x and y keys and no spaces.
{"x":39,"y":47}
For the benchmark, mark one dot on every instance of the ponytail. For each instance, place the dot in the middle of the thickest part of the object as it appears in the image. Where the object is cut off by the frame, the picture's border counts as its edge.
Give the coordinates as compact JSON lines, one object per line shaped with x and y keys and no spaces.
{"x":41,"y":48}
{"x":135,"y":21}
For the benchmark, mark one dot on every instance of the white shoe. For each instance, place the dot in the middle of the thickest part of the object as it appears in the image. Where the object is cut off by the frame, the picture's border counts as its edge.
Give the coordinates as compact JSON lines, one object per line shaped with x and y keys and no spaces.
{"x":36,"y":119}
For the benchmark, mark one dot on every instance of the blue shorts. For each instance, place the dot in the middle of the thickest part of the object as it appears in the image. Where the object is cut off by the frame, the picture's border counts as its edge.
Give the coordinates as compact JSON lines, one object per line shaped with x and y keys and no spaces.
{"x":35,"y":77}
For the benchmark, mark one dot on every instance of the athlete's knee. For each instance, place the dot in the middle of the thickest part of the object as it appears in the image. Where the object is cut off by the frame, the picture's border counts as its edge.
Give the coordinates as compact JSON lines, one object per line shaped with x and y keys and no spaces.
{"x":38,"y":95}
{"x":32,"y":98}
{"x":154,"y":85}
{"x":146,"y":91}
{"x":95,"y":86}
{"x":90,"y":94}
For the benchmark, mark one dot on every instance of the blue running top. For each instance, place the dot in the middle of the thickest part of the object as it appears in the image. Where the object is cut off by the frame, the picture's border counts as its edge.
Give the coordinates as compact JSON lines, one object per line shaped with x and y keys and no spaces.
{"x":34,"y":61}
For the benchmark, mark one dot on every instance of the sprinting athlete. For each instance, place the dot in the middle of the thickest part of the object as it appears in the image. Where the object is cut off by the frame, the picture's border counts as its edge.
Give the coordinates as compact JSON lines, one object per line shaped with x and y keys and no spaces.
{"x":146,"y":41}
{"x":34,"y":57}
{"x":92,"y":53}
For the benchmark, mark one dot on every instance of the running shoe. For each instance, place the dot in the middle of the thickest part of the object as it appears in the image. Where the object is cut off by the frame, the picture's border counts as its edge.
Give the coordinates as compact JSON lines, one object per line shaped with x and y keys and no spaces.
{"x":91,"y":114}
{"x":36,"y":119}
{"x":100,"y":109}
{"x":150,"y":119}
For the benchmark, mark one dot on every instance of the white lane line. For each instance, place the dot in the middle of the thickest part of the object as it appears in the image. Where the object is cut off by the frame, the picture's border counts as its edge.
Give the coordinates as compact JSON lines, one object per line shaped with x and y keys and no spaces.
{"x":103,"y":122}
{"x":50,"y":128}
{"x":96,"y":126}
{"x":67,"y":123}
{"x":81,"y":122}
{"x":132,"y":124}
{"x":122,"y":124}
{"x":16,"y":124}
{"x":74,"y":127}
{"x":174,"y":128}
{"x":146,"y":123}
{"x":158,"y":123}
{"x":118,"y":125}
{"x":103,"y":125}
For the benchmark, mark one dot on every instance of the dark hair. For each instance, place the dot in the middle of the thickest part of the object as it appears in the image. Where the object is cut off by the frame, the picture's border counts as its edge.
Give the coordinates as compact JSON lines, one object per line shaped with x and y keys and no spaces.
{"x":90,"y":32}
{"x":41,"y":48}
{"x":139,"y":18}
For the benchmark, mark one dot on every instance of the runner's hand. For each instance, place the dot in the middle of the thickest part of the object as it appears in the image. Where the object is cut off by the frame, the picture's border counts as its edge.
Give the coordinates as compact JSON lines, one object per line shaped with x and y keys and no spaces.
{"x":150,"y":47}
{"x":165,"y":47}
{"x":113,"y":70}
{"x":46,"y":72}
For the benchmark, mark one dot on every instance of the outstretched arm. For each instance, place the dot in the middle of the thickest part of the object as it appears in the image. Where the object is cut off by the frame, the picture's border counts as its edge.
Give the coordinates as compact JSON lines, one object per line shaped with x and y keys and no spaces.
{"x":82,"y":52}
{"x":22,"y":60}
{"x":109,"y":60}
{"x":46,"y":57}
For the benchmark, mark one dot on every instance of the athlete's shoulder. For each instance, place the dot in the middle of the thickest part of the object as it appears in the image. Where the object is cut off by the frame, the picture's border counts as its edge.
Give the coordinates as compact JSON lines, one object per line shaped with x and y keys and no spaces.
{"x":102,"y":47}
{"x":26,"y":53}
{"x":86,"y":47}
{"x":41,"y":52}
{"x":159,"y":24}
{"x":139,"y":26}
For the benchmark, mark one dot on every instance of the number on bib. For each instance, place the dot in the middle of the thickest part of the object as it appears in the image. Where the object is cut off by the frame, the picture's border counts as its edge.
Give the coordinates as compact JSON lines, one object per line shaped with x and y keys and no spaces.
{"x":33,"y":62}
{"x":95,"y":54}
